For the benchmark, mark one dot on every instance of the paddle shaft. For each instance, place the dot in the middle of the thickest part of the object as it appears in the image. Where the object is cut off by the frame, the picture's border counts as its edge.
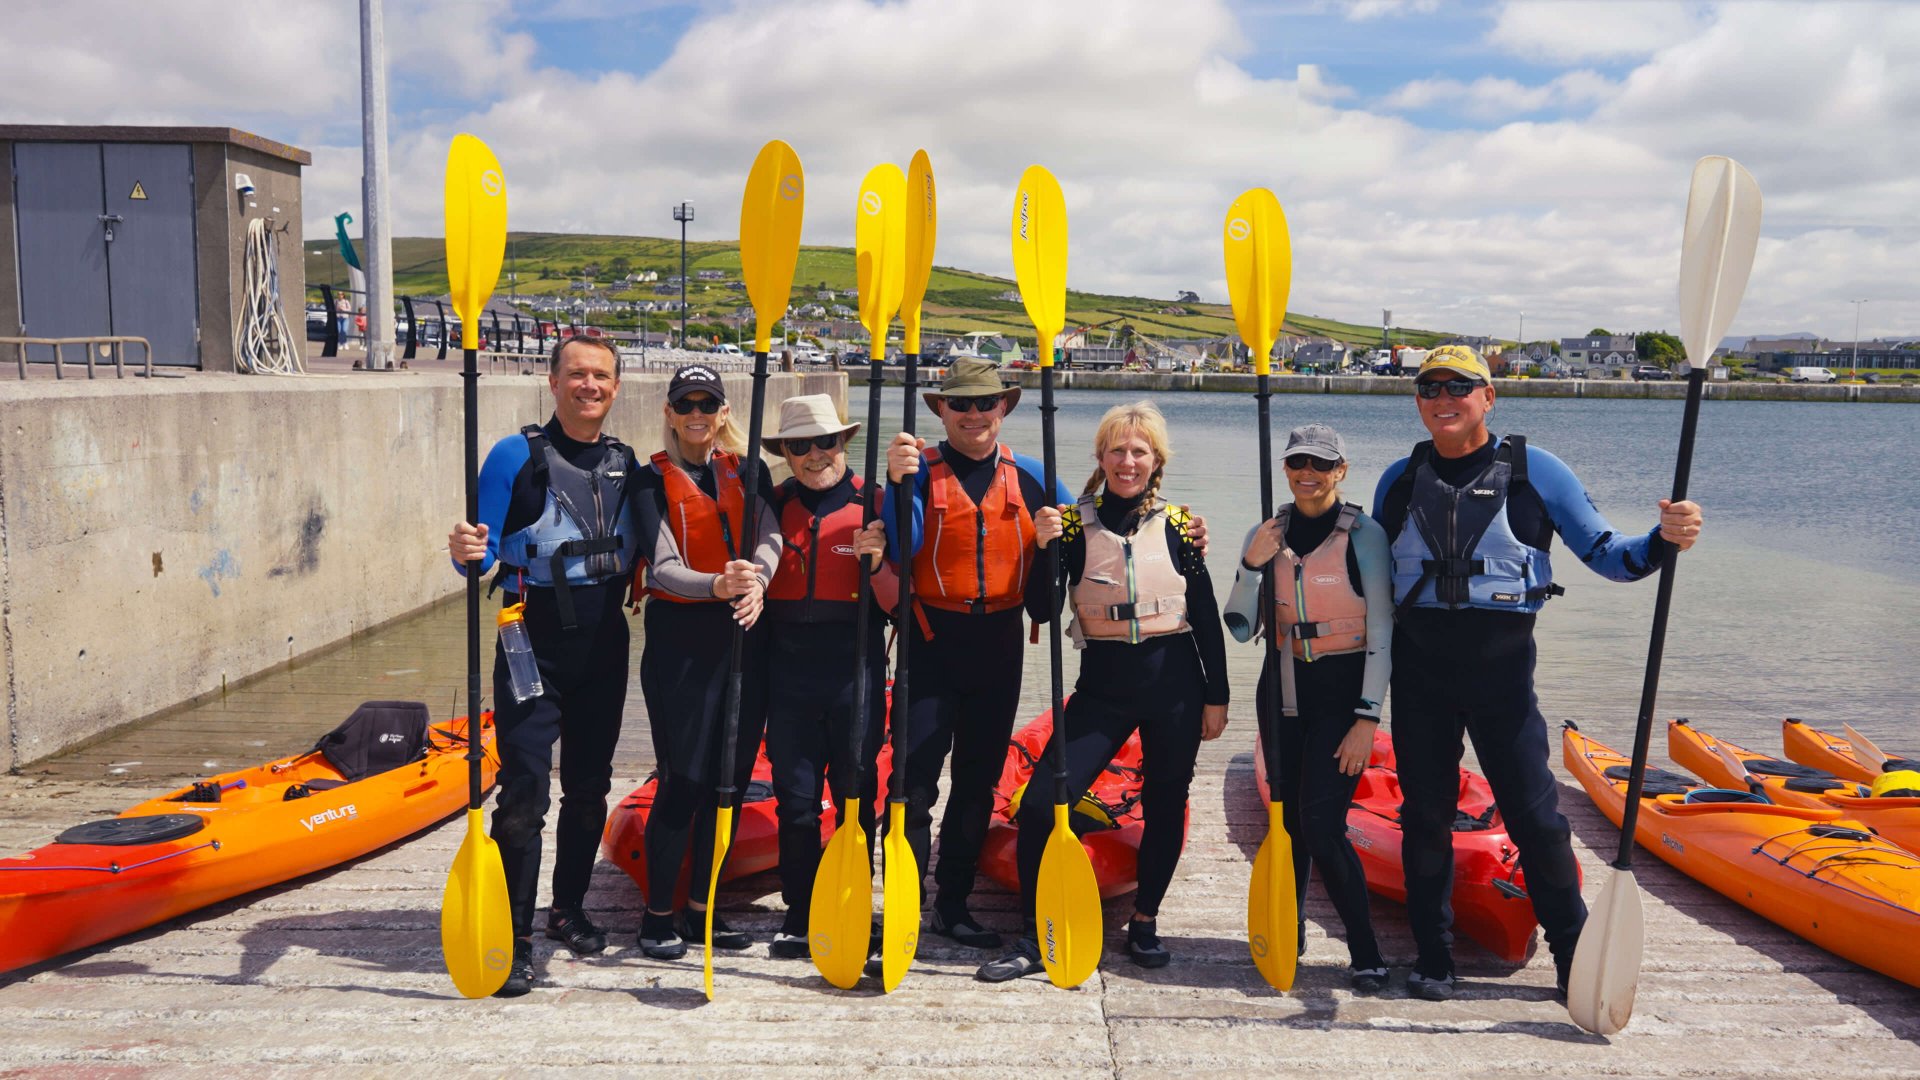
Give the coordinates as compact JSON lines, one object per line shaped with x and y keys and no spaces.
{"x":1656,"y":647}
{"x":1263,"y":398}
{"x":470,"y":379}
{"x":750,"y":509}
{"x":1059,"y":741}
{"x":903,"y":618}
{"x":858,"y":729}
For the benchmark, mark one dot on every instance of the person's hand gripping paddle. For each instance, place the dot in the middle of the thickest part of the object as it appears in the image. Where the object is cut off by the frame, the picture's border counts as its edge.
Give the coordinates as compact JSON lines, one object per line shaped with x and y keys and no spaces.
{"x":770,"y":214}
{"x":1259,"y":256}
{"x":840,"y":921}
{"x":476,"y":924}
{"x":1716,"y":254}
{"x":900,"y":896}
{"x":1066,"y":898}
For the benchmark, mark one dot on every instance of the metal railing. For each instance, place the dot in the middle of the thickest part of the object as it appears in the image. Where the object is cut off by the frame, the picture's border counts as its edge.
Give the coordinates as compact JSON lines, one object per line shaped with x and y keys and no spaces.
{"x":113,"y":346}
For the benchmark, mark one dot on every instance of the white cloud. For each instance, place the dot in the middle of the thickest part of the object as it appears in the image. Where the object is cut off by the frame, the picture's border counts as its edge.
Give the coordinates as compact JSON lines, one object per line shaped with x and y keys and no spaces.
{"x":1360,"y":10}
{"x":1593,"y":29}
{"x":1152,"y":125}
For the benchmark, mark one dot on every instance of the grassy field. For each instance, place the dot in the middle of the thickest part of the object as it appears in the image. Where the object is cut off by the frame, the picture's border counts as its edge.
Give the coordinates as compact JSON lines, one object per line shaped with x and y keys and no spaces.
{"x":958,"y":301}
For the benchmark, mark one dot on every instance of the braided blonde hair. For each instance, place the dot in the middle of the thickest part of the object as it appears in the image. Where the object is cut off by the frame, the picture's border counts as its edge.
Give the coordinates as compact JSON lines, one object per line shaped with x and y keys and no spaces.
{"x":1142,"y":418}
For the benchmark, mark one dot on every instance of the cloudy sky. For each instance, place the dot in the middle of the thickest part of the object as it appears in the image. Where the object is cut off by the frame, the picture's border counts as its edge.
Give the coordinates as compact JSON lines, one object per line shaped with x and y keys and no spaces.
{"x":1458,"y":163}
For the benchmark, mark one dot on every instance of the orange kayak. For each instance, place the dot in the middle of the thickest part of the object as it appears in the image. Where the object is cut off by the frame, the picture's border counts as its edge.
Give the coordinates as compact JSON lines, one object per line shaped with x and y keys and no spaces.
{"x":225,"y":836}
{"x":1810,"y":746}
{"x":1820,"y":874}
{"x":1790,"y":783}
{"x":1489,"y":896}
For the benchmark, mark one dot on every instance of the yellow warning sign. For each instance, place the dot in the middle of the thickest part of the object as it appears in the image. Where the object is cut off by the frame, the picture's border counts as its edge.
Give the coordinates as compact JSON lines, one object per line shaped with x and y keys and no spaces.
{"x":138,"y":191}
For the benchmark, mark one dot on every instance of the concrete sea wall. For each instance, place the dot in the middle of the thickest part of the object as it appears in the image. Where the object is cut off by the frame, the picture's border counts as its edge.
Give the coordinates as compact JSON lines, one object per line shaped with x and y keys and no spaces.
{"x":1351,"y":384}
{"x":161,"y":540}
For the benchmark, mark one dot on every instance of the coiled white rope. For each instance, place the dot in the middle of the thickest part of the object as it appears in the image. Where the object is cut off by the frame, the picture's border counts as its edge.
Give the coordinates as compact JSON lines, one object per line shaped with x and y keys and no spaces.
{"x":262,"y":343}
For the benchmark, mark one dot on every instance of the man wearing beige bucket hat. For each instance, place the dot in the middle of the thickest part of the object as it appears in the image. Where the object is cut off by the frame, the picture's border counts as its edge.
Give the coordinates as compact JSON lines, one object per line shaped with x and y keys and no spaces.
{"x":811,"y":662}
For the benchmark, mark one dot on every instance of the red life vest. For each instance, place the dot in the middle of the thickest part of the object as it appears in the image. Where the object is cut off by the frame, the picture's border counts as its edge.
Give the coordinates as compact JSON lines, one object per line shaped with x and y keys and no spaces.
{"x":706,"y":532}
{"x":818,"y":579}
{"x":973,"y":557}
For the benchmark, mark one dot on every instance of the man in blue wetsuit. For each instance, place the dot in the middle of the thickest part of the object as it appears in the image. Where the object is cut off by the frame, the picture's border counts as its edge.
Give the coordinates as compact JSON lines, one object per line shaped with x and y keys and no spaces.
{"x":554,"y":513}
{"x":1470,"y":518}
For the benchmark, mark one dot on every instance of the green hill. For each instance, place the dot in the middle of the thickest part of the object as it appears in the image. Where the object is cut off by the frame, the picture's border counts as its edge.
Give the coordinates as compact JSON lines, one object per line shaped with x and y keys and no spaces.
{"x":957,"y":301}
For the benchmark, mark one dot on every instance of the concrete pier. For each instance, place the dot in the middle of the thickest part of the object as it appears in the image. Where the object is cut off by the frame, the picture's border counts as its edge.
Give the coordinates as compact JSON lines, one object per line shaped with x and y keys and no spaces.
{"x":340,"y":974}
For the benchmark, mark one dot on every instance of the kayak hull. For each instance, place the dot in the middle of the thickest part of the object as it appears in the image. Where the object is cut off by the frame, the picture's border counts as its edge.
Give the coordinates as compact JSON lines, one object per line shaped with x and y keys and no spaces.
{"x":1489,"y":896}
{"x":1114,"y":852}
{"x":1811,"y":871}
{"x":66,"y":896}
{"x":1897,"y":819}
{"x":1809,"y":745}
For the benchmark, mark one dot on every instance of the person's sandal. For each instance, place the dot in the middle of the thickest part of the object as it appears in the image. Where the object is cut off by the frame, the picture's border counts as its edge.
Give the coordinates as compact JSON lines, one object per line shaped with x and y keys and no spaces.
{"x":1022,"y":961}
{"x":1367,"y":980}
{"x":962,"y":929}
{"x":1143,"y":944}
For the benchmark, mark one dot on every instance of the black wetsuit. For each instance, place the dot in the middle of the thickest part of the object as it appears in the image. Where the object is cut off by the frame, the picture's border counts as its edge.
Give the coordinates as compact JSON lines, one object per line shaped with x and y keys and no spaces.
{"x":810,"y":679}
{"x":1157,"y":687}
{"x":683,"y":677}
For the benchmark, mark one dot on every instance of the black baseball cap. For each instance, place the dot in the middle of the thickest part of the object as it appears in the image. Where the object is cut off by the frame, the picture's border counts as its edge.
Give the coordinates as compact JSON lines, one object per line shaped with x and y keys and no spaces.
{"x":696,"y":377}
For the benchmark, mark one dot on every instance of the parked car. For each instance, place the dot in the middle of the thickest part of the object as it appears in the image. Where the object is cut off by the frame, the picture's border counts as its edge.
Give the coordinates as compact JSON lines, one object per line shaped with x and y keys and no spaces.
{"x":726,"y":348}
{"x":1650,"y":373}
{"x":1811,"y":375}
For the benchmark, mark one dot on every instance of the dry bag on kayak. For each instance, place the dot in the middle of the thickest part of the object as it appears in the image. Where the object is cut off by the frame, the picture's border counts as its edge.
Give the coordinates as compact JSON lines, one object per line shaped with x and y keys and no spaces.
{"x":380,"y":735}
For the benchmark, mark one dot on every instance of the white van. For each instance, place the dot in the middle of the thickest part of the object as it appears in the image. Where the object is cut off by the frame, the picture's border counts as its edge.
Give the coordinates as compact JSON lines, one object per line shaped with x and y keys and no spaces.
{"x":1810,"y":375}
{"x":726,"y":348}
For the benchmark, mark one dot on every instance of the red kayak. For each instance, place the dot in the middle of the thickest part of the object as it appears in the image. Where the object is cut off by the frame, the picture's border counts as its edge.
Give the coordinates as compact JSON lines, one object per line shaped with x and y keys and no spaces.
{"x":1108,"y":820}
{"x":1489,"y":892}
{"x":756,"y":840}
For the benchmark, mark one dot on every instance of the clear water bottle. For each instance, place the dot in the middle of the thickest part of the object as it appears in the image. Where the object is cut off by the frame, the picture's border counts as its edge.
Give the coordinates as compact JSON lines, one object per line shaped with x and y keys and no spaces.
{"x":523,"y":674}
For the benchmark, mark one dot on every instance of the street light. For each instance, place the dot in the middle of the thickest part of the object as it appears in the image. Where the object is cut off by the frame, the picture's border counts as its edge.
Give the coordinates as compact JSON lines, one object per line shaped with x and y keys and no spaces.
{"x":683,"y":214}
{"x":1856,"y":336}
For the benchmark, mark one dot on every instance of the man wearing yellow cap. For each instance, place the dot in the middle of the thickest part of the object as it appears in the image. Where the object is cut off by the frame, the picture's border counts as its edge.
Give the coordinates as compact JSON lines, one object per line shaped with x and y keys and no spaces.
{"x":1471,"y":517}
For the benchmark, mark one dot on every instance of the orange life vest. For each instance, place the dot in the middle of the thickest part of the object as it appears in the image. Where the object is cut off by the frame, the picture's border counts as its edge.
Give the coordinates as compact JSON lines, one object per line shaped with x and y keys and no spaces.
{"x":1315,"y":603}
{"x":818,"y":579}
{"x":1129,"y":587}
{"x":707,"y":532}
{"x":973,"y":557}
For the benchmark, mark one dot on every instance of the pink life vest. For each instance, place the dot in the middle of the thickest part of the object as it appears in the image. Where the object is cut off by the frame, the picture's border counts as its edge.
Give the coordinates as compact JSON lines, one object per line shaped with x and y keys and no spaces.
{"x":1314,"y":601}
{"x":1129,"y":587}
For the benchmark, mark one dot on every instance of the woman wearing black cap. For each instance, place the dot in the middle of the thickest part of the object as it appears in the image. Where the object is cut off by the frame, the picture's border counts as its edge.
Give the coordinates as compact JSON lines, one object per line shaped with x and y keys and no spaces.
{"x":1333,"y":600}
{"x":705,"y":572}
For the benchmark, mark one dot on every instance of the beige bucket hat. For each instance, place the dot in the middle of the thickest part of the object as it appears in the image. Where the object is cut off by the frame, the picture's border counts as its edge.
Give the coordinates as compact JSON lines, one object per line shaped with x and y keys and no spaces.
{"x":810,"y":414}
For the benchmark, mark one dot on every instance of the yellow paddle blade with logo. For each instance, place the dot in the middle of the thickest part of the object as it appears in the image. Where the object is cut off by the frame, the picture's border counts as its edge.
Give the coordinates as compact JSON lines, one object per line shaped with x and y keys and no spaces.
{"x":722,"y":840}
{"x":1066,"y":902}
{"x":879,"y":250}
{"x":476,"y":205}
{"x":1273,"y":911}
{"x":923,"y":220}
{"x":476,"y":925}
{"x":1259,"y":270}
{"x":1040,"y":255}
{"x":840,"y":920}
{"x":900,"y":918}
{"x":770,"y":213}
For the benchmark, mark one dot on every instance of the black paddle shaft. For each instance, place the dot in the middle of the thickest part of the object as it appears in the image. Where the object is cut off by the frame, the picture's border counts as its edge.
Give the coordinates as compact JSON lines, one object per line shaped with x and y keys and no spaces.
{"x":858,"y":729}
{"x":903,"y":618}
{"x":1656,"y":647}
{"x":749,"y":526}
{"x":1263,"y":397}
{"x":1059,"y":741}
{"x":470,"y":376}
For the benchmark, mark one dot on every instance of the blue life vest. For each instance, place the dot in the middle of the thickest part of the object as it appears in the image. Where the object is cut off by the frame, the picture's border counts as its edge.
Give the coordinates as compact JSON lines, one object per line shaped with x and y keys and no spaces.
{"x":1454,"y":548}
{"x":584,"y":534}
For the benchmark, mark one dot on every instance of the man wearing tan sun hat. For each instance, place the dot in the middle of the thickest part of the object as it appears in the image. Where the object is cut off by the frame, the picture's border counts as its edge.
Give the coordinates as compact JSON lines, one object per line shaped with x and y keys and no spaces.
{"x":812,"y":605}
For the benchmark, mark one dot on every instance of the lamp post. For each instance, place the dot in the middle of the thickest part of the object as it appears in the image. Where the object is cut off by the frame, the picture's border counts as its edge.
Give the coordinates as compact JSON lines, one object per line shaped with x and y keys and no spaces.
{"x":1856,"y":336}
{"x":683,"y":214}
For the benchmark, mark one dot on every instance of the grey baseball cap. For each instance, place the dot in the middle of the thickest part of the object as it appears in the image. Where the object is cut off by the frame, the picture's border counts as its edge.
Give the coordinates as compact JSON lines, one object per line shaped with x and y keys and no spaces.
{"x":1318,"y":440}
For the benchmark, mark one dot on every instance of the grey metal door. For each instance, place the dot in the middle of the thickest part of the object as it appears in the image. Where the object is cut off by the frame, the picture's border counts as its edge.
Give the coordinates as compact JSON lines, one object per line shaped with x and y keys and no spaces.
{"x":63,"y":256}
{"x":150,"y":261}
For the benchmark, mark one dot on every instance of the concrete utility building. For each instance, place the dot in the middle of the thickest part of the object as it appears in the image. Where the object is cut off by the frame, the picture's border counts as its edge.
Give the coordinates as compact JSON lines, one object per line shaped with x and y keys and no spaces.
{"x":142,"y":231}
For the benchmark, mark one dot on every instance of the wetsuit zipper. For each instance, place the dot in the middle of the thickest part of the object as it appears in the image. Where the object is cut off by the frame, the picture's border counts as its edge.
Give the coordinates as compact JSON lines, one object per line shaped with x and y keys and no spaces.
{"x":1133,"y":598}
{"x":980,"y":555}
{"x":1300,"y":608}
{"x":813,"y":564}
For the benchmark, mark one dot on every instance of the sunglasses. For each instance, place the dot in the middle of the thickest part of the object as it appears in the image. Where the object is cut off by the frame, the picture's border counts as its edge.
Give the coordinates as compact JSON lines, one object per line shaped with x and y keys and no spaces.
{"x":1298,"y":462}
{"x":985,"y":403}
{"x":800,"y":447}
{"x":686,"y":405}
{"x":1454,"y":387}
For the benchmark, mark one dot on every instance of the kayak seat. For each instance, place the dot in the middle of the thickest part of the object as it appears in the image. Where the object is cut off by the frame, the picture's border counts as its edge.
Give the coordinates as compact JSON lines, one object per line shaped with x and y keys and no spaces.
{"x":1790,"y":769}
{"x":133,"y":831}
{"x":379,"y":736}
{"x":757,"y":791}
{"x":1722,"y":795}
{"x":306,"y":790}
{"x":1465,"y":822}
{"x":1657,"y":782}
{"x":1814,"y":785}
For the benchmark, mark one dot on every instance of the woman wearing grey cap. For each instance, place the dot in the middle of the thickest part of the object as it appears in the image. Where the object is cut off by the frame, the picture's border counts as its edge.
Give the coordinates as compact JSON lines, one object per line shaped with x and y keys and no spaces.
{"x":1333,"y":596}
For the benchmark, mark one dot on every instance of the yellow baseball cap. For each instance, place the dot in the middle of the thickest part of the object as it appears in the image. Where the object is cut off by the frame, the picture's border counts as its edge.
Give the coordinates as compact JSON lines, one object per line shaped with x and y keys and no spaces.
{"x":1456,"y":358}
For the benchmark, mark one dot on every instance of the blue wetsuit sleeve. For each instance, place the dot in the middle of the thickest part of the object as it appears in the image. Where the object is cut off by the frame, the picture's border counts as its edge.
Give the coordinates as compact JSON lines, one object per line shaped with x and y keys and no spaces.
{"x":1037,"y":471}
{"x":1369,"y":546}
{"x":497,"y":475}
{"x":1584,"y":530}
{"x":902,"y":550}
{"x":1387,"y":478}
